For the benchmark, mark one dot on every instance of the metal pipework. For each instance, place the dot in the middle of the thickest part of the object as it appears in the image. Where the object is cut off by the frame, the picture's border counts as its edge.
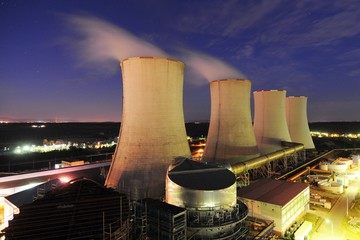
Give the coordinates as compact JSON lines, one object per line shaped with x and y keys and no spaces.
{"x":257,"y":162}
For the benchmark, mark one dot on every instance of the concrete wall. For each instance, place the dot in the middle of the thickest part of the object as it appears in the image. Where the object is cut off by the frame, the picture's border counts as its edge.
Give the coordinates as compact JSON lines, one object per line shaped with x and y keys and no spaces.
{"x":153,"y":131}
{"x":270,"y":124}
{"x":296,"y":117}
{"x":283,"y":216}
{"x":231,"y":136}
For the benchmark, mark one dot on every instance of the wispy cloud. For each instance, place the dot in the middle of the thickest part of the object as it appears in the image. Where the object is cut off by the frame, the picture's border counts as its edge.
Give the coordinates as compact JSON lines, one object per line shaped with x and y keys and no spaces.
{"x":294,"y":23}
{"x":226,"y":18}
{"x":322,"y":23}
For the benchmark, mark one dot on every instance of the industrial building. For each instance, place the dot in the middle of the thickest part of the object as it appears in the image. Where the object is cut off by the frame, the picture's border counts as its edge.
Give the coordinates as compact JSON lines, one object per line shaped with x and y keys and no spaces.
{"x":151,"y":160}
{"x":208,"y":193}
{"x":83,"y":209}
{"x":283,"y":202}
{"x":155,"y":219}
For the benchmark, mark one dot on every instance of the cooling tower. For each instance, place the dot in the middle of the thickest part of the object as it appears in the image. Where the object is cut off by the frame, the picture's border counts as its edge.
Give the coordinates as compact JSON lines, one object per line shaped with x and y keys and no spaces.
{"x":152,"y":131}
{"x":270,"y":120}
{"x":231,"y":136}
{"x":296,"y":117}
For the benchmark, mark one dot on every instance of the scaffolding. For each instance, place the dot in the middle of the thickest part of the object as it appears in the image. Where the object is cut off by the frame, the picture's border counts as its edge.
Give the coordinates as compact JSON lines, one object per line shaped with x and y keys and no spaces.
{"x":158,"y":220}
{"x":218,"y":223}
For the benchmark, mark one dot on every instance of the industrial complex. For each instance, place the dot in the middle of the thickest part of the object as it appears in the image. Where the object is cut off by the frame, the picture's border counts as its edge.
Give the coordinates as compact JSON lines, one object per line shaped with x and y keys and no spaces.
{"x":253,"y":180}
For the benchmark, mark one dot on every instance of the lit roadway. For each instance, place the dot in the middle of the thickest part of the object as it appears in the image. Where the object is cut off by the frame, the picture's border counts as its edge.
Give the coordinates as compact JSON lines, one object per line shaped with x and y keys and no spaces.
{"x":337,"y":217}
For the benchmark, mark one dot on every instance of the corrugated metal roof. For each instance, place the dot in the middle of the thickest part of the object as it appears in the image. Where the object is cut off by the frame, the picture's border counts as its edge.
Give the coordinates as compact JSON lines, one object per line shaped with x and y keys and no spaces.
{"x":78,"y":210}
{"x":271,"y":191}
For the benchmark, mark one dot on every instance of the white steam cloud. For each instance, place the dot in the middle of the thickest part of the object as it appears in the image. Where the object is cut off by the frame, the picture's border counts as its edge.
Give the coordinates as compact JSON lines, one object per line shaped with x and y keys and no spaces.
{"x":99,"y":42}
{"x":210,"y":67}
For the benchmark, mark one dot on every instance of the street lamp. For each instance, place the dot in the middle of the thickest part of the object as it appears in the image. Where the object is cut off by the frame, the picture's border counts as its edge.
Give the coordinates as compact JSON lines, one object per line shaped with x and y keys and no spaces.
{"x":347,"y":205}
{"x":332,"y":228}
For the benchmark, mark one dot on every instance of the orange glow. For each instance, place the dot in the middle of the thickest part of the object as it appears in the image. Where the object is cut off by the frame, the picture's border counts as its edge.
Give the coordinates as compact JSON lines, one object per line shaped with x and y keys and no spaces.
{"x":64,"y":179}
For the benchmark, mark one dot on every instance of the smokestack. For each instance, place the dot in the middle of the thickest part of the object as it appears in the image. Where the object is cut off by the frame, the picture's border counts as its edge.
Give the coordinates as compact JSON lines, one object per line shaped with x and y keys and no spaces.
{"x":231,"y":136}
{"x":296,"y":117}
{"x":270,"y":124}
{"x":152,"y":130}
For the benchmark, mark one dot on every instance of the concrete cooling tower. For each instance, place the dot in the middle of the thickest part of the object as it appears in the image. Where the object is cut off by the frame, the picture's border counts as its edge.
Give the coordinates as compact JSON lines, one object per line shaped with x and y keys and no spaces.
{"x":296,"y":117}
{"x":152,"y":131}
{"x":231,"y":136}
{"x":270,"y":124}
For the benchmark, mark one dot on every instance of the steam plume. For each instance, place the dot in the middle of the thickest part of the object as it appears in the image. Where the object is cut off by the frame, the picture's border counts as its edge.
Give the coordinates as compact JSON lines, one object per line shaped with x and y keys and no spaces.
{"x":210,"y":67}
{"x":100,"y":41}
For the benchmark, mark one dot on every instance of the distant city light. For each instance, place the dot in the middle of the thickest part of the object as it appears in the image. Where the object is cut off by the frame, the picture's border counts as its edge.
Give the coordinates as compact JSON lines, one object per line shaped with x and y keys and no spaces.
{"x":59,"y":146}
{"x":334,"y":135}
{"x":38,"y":126}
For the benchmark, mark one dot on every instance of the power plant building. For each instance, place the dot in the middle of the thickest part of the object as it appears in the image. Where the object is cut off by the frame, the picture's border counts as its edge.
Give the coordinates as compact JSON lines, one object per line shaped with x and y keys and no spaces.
{"x":270,"y":124}
{"x":231,"y":135}
{"x":283,"y":202}
{"x":152,"y":100}
{"x":296,"y":117}
{"x":208,"y":194}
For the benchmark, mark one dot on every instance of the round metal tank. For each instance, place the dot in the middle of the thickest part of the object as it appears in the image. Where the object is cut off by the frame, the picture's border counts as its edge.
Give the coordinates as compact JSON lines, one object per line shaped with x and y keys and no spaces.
{"x":270,"y":124}
{"x":152,"y":130}
{"x":296,"y":118}
{"x":196,"y":185}
{"x":231,"y":135}
{"x":324,"y":166}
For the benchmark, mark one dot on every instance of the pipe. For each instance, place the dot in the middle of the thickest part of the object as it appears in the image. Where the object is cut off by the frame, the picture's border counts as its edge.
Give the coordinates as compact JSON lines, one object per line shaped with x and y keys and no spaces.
{"x":292,"y":147}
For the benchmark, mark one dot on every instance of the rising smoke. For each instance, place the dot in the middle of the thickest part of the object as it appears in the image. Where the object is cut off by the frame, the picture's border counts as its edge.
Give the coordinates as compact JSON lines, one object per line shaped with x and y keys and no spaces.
{"x":209,"y":67}
{"x":98,"y":41}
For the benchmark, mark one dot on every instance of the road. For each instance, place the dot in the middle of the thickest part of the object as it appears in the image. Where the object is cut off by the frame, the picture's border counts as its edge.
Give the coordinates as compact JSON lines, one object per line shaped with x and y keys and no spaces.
{"x":333,"y":229}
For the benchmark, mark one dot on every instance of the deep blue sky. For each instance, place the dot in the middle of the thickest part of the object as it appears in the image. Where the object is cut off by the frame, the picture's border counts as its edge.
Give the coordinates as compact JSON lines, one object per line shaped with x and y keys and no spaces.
{"x":59,"y":59}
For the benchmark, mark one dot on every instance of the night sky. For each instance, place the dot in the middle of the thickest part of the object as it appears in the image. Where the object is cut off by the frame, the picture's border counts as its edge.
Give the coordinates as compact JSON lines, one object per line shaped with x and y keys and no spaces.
{"x":59,"y":60}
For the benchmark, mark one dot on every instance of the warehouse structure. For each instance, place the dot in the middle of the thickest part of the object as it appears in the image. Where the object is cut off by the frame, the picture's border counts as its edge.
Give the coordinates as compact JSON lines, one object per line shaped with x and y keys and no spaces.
{"x":283,"y":202}
{"x":82,"y":209}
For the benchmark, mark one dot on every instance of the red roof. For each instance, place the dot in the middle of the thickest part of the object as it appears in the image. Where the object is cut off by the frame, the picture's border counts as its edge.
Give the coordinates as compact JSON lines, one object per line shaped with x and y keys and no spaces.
{"x":277,"y":192}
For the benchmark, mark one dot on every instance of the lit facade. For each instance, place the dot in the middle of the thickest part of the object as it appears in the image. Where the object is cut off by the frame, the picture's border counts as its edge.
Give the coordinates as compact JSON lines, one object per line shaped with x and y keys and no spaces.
{"x":280,"y":201}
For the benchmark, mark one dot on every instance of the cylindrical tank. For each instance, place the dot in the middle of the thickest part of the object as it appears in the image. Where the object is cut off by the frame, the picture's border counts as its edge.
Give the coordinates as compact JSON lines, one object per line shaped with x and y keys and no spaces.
{"x":208,"y":194}
{"x":270,"y":124}
{"x":152,"y":131}
{"x":231,"y":135}
{"x":296,"y":117}
{"x":193,"y":184}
